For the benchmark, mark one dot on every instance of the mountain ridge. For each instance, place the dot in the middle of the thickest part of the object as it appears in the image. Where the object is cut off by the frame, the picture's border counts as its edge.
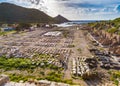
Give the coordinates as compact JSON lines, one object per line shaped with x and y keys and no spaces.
{"x":11,"y":13}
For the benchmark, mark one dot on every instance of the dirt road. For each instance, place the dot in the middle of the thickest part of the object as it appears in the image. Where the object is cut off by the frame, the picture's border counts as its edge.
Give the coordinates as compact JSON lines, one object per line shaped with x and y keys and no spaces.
{"x":80,"y":49}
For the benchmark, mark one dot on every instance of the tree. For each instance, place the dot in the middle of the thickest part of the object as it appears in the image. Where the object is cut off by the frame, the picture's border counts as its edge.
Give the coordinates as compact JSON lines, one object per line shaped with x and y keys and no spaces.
{"x":23,"y":26}
{"x":38,"y":25}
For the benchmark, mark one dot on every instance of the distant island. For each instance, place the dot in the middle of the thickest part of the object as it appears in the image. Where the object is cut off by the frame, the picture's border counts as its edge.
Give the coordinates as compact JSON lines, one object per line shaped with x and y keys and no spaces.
{"x":10,"y":13}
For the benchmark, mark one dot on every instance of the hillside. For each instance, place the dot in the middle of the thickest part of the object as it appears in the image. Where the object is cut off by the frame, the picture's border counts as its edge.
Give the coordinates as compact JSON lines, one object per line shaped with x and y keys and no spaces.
{"x":10,"y":13}
{"x":60,"y":19}
{"x":111,"y":26}
{"x":116,"y":21}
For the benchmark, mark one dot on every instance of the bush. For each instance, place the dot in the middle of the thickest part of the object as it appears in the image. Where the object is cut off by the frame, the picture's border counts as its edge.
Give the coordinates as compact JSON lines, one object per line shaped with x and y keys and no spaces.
{"x":70,"y":46}
{"x":54,"y":76}
{"x":17,"y":78}
{"x":23,"y":26}
{"x":54,"y":67}
{"x":115,"y":76}
{"x":112,"y":30}
{"x":69,"y":81}
{"x":116,"y":82}
{"x":42,"y":73}
{"x":15,"y":63}
{"x":79,"y":49}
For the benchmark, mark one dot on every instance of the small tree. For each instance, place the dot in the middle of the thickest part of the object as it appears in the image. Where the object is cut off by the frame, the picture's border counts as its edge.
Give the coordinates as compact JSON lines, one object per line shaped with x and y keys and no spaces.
{"x":23,"y":26}
{"x":38,"y":25}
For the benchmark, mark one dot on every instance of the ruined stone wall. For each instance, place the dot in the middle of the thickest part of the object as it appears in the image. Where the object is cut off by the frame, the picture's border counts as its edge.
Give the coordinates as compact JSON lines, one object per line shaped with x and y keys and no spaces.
{"x":112,"y":41}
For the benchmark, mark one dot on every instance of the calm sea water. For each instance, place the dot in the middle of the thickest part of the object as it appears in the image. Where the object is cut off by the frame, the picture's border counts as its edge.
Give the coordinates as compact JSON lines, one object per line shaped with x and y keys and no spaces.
{"x":72,"y":23}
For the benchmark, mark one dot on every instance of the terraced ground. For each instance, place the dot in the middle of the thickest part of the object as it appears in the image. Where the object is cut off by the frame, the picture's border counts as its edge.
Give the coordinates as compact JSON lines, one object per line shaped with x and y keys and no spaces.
{"x":48,"y":57}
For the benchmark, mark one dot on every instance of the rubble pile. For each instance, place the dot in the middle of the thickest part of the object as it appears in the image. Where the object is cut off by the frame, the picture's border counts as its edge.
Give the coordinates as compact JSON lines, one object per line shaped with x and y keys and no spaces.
{"x":80,"y":67}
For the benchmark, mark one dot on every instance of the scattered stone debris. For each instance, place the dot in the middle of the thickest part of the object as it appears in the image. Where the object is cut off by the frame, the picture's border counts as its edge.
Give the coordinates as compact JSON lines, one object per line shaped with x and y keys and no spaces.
{"x":37,"y":83}
{"x":109,"y":40}
{"x":80,"y":67}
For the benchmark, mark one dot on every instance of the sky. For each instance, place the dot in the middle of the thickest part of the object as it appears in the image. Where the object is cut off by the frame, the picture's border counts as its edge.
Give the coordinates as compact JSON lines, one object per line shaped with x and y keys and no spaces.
{"x":75,"y":9}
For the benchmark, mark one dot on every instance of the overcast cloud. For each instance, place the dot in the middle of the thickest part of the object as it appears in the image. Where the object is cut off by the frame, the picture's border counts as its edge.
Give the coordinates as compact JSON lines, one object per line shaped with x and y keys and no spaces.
{"x":75,"y":9}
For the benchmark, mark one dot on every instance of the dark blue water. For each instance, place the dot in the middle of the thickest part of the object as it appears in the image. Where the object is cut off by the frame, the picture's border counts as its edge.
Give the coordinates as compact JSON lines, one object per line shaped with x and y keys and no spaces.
{"x":84,"y":21}
{"x":79,"y":22}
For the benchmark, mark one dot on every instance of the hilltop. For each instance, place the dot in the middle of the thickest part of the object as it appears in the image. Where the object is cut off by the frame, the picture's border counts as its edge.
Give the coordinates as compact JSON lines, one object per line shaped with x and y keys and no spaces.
{"x":60,"y":19}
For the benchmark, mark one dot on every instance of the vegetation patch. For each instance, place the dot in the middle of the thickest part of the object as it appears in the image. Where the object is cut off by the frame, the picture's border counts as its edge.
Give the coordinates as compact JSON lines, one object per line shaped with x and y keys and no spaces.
{"x":3,"y":33}
{"x":20,"y":77}
{"x":26,"y":63}
{"x":80,"y":50}
{"x":71,"y":46}
{"x":115,"y":77}
{"x":24,"y":69}
{"x":112,"y":30}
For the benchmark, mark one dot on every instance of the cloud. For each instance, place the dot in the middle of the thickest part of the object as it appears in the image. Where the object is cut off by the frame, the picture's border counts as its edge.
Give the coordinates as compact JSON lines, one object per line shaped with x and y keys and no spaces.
{"x":118,"y":8}
{"x":83,"y":5}
{"x":75,"y":9}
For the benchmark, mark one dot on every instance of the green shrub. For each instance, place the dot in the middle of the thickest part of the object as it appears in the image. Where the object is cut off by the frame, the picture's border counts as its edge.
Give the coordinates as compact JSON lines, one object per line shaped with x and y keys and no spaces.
{"x":115,"y":76}
{"x":69,"y":81}
{"x":30,"y":66}
{"x":116,"y":82}
{"x":17,"y":78}
{"x":42,"y":73}
{"x":79,"y":49}
{"x":112,"y":30}
{"x":70,"y":46}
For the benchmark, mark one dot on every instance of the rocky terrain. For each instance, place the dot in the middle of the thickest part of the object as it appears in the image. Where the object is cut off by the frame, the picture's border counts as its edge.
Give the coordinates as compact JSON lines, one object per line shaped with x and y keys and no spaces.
{"x":108,"y":40}
{"x":71,"y":55}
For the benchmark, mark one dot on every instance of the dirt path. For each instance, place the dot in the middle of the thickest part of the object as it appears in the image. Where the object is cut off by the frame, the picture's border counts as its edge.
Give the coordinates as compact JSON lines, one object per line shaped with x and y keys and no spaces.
{"x":80,"y":43}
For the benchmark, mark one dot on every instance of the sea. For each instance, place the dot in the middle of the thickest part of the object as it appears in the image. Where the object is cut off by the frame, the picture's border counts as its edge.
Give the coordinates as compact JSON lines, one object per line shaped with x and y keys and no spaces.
{"x":79,"y":22}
